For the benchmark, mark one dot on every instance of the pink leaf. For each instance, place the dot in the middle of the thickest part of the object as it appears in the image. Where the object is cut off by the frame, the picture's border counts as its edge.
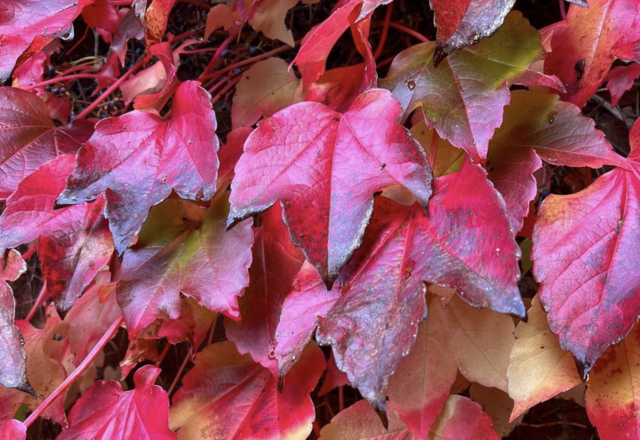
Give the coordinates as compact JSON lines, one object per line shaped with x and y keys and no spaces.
{"x":582,"y":251}
{"x":106,"y":412}
{"x":74,"y":242}
{"x":304,"y":155}
{"x":179,"y":235}
{"x":136,"y":159}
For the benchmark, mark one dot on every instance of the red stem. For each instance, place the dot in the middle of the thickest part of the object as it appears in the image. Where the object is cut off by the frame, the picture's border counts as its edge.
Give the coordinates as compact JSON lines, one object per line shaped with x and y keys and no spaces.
{"x":245,"y":62}
{"x":165,"y":350}
{"x":30,"y":251}
{"x":180,"y":370}
{"x":194,"y":51}
{"x":404,"y":29}
{"x":110,"y":90}
{"x":563,"y":11}
{"x":385,"y":32}
{"x":184,"y":35}
{"x":68,"y":78}
{"x":41,"y":298}
{"x":217,"y":85}
{"x":226,"y":88}
{"x":62,"y":388}
{"x":216,"y":56}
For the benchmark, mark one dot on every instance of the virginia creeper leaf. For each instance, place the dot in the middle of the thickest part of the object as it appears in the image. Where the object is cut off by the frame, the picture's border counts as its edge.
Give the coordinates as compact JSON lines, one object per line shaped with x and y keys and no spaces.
{"x":464,"y":22}
{"x":156,"y":18}
{"x":226,"y":395}
{"x":582,"y":253}
{"x":304,"y":155}
{"x":467,"y":114}
{"x":91,"y":316}
{"x":479,"y":340}
{"x":538,"y":125}
{"x":421,"y":384}
{"x":333,"y":379}
{"x":14,"y":430}
{"x":358,"y":422}
{"x":583,"y":50}
{"x":317,"y":44}
{"x":192,"y":326}
{"x":620,"y":80}
{"x":337,"y":88}
{"x":496,"y":404}
{"x":265,"y":88}
{"x":45,"y":370}
{"x":371,"y":321}
{"x":276,"y":262}
{"x":24,"y":21}
{"x":222,"y":16}
{"x":101,"y":14}
{"x":613,"y":390}
{"x":137,"y":158}
{"x":184,"y":248}
{"x":29,"y":138}
{"x":74,"y":243}
{"x":13,"y":366}
{"x":106,"y":412}
{"x":269,"y":18}
{"x":539,"y":368}
{"x":138,"y":351}
{"x":462,"y":419}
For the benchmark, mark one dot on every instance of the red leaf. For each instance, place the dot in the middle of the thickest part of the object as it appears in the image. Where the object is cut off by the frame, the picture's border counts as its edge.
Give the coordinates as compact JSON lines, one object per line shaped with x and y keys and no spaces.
{"x":228,"y":396}
{"x":230,"y":153}
{"x":316,"y":46}
{"x":464,"y":22}
{"x":333,"y":379}
{"x":337,"y":88}
{"x":156,"y":18}
{"x":179,"y":235}
{"x":463,"y":242}
{"x":192,"y":326}
{"x":612,"y":393}
{"x":74,"y":242}
{"x":620,"y":80}
{"x":28,"y":137}
{"x":421,"y":384}
{"x":101,"y":14}
{"x":582,"y":252}
{"x":583,"y":50}
{"x":25,"y":21}
{"x":538,"y":125}
{"x":138,"y":351}
{"x":106,"y":412}
{"x":13,"y":367}
{"x":275,"y":264}
{"x":13,"y":430}
{"x":467,"y":114}
{"x":136,"y":159}
{"x":91,"y":316}
{"x":463,"y":419}
{"x":305,"y":155}
{"x":128,"y":28}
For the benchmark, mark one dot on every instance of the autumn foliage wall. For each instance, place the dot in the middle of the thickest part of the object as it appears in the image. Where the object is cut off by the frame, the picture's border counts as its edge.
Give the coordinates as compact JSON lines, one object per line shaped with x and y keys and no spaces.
{"x":188,"y":182}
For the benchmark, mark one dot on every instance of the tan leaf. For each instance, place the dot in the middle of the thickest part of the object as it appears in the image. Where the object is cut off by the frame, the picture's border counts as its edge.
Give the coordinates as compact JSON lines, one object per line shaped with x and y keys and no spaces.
{"x":539,"y":368}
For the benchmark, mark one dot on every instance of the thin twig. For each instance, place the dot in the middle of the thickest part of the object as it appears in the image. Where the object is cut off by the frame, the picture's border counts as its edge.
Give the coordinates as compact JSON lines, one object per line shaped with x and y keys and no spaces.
{"x":62,"y":388}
